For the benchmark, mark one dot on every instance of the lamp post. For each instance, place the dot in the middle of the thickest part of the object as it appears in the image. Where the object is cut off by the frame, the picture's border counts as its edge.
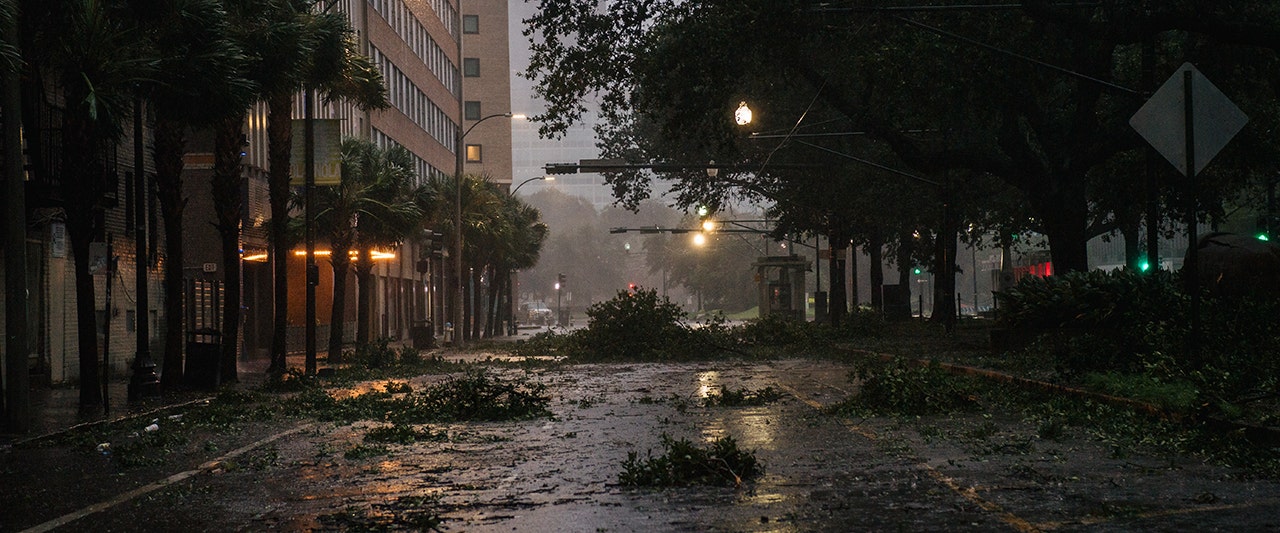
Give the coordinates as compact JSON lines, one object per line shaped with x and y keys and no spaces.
{"x":511,"y":283}
{"x":535,"y":178}
{"x":460,"y":151}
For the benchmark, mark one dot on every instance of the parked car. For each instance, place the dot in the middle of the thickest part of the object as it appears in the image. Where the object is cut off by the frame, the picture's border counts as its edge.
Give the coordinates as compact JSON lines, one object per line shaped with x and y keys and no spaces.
{"x":537,"y":314}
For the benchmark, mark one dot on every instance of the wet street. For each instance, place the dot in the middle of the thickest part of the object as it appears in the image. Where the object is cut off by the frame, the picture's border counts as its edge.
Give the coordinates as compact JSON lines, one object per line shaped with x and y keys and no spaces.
{"x":977,"y":471}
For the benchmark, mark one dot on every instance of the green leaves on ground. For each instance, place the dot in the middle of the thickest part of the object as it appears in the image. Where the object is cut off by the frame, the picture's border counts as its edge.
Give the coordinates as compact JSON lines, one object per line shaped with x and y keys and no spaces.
{"x":684,"y":464}
{"x":899,"y":388}
{"x":475,"y":395}
{"x":728,"y":397}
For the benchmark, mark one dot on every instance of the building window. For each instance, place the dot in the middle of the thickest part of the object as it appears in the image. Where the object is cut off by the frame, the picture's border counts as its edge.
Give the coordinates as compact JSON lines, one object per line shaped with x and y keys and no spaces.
{"x":471,"y":24}
{"x":473,"y":153}
{"x":471,"y":67}
{"x":471,"y":110}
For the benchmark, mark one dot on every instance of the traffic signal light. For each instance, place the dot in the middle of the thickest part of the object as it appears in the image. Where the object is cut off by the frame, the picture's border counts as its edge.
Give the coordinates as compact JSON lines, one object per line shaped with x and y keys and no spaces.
{"x":916,"y":271}
{"x":436,"y":243}
{"x":631,"y":287}
{"x":560,"y":280}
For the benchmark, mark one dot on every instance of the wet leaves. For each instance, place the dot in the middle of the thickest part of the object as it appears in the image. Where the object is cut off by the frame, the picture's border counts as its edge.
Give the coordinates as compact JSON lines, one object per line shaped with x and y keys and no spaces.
{"x":403,"y":434}
{"x":476,"y":395}
{"x":897,"y":388}
{"x":684,"y":464}
{"x":743,"y":397}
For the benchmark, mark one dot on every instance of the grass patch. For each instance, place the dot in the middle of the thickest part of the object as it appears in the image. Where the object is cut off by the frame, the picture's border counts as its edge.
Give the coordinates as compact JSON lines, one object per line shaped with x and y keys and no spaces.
{"x":684,"y":464}
{"x":1174,"y":396}
{"x":897,"y":388}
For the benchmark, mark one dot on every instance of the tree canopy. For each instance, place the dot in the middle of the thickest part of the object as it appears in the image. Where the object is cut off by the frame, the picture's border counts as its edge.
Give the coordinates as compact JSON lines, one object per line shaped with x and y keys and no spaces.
{"x":1023,"y":109}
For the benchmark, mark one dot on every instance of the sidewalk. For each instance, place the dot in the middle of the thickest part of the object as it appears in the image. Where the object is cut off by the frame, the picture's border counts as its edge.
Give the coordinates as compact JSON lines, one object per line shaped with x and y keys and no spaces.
{"x":57,"y":408}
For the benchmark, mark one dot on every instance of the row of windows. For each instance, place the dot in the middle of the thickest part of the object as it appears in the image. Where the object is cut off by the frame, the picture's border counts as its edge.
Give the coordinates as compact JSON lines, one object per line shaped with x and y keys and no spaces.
{"x":398,"y":14}
{"x":414,"y":34}
{"x":422,"y":168}
{"x":411,"y":101}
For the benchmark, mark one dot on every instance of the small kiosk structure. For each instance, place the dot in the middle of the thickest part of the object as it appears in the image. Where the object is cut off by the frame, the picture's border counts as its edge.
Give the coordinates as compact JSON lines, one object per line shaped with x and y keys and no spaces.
{"x":780,"y":279}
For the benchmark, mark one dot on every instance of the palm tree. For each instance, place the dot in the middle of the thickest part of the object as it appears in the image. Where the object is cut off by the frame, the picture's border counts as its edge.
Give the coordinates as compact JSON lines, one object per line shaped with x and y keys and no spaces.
{"x":196,"y":57}
{"x":321,"y":57}
{"x":370,"y":175}
{"x":96,"y":57}
{"x":517,"y":248}
{"x":482,"y":225}
{"x":393,"y":215}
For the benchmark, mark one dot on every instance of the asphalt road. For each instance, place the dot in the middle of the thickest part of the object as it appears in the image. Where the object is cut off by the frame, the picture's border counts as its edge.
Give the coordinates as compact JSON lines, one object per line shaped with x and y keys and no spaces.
{"x":984,"y":471}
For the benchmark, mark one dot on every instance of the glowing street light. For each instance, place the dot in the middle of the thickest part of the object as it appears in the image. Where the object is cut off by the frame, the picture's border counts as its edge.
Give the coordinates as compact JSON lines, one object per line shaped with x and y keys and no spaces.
{"x":742,"y":115}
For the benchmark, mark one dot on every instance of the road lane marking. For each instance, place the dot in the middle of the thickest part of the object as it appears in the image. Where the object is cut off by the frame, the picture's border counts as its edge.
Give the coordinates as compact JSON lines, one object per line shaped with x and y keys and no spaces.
{"x":968,"y":493}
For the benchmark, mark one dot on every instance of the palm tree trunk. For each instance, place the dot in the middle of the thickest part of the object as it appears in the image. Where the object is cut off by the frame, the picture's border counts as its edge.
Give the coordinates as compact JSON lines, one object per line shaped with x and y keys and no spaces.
{"x":228,"y":182}
{"x":171,"y":207}
{"x":493,"y":323}
{"x":81,"y":188}
{"x":338,"y":316}
{"x":280,"y":137}
{"x":79,"y":230}
{"x":364,"y":267}
{"x":167,"y":153}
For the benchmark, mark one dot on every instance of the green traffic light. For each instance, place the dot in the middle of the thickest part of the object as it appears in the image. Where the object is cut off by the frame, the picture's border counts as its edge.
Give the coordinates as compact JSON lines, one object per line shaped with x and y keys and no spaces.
{"x":917,"y":271}
{"x":1263,"y":237}
{"x":1145,"y":266}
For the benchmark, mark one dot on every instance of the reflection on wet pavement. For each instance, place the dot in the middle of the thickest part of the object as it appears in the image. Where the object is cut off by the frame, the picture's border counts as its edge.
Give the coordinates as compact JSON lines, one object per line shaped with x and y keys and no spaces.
{"x":822,"y":473}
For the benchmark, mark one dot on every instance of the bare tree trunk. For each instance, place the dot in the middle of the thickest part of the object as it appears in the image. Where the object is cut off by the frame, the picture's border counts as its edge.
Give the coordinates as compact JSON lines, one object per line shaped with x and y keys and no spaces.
{"x":875,"y":251}
{"x":839,"y":304}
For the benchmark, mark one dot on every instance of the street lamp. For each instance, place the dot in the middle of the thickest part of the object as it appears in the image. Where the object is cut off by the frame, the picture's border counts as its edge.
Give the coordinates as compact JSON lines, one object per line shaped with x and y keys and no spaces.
{"x":742,"y":115}
{"x":535,"y":178}
{"x":460,"y":151}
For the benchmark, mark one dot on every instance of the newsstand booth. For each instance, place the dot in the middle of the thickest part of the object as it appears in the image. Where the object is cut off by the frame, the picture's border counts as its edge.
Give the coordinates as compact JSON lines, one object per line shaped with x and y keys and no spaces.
{"x":780,"y":279}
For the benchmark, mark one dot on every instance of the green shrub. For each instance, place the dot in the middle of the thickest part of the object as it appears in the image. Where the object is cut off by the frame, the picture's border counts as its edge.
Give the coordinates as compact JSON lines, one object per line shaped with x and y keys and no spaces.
{"x":684,"y":464}
{"x":1093,"y":299}
{"x":776,"y":330}
{"x":863,"y":322}
{"x":634,"y":326}
{"x":373,"y":356}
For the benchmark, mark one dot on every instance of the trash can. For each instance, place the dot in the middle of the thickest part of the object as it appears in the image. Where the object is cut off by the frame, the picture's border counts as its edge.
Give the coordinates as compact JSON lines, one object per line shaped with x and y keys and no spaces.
{"x":204,"y":348}
{"x":421,"y":334}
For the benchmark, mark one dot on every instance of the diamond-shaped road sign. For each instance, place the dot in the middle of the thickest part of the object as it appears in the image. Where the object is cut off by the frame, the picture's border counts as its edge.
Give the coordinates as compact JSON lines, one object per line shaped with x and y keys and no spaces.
{"x":1214,"y":120}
